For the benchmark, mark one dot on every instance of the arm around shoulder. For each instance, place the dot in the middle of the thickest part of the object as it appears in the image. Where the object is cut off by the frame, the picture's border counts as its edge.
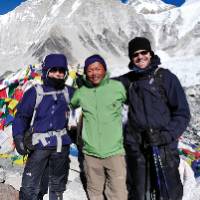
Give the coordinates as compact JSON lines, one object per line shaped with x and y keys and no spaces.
{"x":123,"y":92}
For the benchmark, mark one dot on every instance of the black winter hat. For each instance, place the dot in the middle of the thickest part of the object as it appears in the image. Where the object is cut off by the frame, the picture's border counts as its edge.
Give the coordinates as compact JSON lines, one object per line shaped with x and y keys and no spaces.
{"x":93,"y":59}
{"x":138,"y":43}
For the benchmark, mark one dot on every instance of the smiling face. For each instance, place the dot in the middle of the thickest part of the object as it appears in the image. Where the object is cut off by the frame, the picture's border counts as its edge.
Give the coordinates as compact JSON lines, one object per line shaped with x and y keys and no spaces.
{"x":95,"y":73}
{"x":141,"y":58}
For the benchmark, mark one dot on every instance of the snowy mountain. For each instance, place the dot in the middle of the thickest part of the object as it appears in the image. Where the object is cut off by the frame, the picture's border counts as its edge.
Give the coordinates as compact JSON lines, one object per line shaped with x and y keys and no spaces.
{"x":77,"y":28}
{"x":178,"y":30}
{"x":80,"y":28}
{"x":150,"y":6}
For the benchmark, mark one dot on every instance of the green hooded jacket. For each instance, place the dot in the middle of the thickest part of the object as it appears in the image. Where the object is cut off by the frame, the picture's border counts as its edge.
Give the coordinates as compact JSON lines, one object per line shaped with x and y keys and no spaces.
{"x":102,"y":119}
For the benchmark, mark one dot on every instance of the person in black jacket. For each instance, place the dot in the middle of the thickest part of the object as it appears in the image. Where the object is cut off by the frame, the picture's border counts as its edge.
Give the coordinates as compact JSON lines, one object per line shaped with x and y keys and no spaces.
{"x":158,"y":115}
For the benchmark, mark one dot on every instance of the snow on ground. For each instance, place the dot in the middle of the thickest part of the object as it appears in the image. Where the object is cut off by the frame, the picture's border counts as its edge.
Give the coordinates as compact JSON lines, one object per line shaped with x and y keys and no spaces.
{"x":74,"y":189}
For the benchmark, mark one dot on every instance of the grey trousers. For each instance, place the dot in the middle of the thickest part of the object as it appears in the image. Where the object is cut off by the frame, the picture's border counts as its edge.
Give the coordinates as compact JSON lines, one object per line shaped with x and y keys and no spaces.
{"x":106,"y":177}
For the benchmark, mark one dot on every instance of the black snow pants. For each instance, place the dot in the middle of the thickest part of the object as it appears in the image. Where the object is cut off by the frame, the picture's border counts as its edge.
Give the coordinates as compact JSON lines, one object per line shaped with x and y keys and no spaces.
{"x":141,"y":178}
{"x":34,"y":175}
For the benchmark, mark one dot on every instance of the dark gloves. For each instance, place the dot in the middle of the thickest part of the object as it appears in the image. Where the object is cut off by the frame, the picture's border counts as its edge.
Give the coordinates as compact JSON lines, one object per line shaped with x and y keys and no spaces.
{"x":19,"y":144}
{"x":79,"y":80}
{"x":157,"y":138}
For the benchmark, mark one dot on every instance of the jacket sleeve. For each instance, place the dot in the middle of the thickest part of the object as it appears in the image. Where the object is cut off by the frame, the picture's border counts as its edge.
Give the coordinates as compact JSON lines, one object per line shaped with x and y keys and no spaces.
{"x":75,"y":101}
{"x":123,"y":92}
{"x":177,"y":102}
{"x":124,"y":79}
{"x":24,"y":113}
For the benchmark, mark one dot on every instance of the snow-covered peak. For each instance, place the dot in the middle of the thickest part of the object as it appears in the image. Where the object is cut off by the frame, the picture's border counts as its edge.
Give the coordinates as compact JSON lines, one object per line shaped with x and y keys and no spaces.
{"x":187,"y":2}
{"x":177,"y":31}
{"x":150,"y":6}
{"x":79,"y":28}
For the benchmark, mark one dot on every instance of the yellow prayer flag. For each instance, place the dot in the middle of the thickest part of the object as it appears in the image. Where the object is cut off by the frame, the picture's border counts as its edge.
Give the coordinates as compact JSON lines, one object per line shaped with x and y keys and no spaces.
{"x":7,"y":100}
{"x":13,"y":103}
{"x":72,"y":74}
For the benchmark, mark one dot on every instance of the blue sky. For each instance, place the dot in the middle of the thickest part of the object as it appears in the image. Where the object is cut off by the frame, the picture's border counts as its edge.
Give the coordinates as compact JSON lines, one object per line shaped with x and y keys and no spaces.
{"x":7,"y":5}
{"x":174,"y":2}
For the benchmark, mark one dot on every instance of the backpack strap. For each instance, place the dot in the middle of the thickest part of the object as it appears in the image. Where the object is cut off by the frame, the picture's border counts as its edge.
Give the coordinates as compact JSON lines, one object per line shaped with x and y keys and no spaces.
{"x":39,"y":97}
{"x":158,"y":77}
{"x":40,"y":94}
{"x":65,"y":92}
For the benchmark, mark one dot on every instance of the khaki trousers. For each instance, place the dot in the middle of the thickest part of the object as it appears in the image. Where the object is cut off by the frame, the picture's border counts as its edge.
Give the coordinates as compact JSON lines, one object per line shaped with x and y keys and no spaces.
{"x":106,"y":176}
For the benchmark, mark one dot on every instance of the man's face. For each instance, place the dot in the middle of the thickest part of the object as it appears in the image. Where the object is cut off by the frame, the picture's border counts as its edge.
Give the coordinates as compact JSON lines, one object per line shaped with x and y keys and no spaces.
{"x":141,"y":58}
{"x":95,"y":73}
{"x":58,"y":73}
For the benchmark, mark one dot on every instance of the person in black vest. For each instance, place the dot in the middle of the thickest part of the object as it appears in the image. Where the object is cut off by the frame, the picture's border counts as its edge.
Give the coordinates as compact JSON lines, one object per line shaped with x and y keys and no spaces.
{"x":158,"y":115}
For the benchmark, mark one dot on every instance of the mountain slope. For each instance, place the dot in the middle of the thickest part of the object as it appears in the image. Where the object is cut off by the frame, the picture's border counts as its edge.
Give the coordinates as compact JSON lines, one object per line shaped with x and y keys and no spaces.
{"x":104,"y":27}
{"x":80,"y":28}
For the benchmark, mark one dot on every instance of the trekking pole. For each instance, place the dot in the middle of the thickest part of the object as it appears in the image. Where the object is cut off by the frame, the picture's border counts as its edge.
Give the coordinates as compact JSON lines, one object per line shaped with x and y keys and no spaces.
{"x":157,"y":152}
{"x":155,"y":159}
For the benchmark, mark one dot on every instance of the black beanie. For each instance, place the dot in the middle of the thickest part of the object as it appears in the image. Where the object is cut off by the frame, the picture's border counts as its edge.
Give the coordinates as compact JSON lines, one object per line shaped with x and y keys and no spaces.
{"x":138,"y":43}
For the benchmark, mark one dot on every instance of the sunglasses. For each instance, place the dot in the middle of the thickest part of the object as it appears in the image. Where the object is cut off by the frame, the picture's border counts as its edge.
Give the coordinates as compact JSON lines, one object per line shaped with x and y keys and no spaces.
{"x":141,"y":52}
{"x":58,"y":69}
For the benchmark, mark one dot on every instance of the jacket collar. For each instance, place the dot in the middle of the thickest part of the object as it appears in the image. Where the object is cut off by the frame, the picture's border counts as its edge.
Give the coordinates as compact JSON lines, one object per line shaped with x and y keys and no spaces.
{"x":155,"y":61}
{"x":104,"y":81}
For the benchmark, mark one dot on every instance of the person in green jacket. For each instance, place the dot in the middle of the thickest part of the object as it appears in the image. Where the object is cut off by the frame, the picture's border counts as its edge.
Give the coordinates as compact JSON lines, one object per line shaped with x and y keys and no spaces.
{"x":101,"y":100}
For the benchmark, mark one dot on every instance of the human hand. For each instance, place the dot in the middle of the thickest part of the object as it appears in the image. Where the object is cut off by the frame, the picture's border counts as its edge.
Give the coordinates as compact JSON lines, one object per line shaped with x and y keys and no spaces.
{"x":20,"y":147}
{"x":155,"y":138}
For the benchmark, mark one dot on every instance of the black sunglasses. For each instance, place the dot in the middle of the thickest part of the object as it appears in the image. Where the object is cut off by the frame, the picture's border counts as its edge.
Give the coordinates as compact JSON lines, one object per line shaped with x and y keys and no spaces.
{"x":141,"y":52}
{"x":60,"y":70}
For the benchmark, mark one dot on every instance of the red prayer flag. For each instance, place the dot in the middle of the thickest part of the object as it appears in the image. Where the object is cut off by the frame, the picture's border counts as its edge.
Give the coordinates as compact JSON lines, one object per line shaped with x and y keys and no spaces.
{"x":18,"y":94}
{"x":3,"y":94}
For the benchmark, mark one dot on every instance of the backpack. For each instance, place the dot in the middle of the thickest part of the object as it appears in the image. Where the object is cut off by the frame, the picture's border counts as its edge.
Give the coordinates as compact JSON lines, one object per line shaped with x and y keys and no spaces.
{"x":39,"y":96}
{"x":158,"y":78}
